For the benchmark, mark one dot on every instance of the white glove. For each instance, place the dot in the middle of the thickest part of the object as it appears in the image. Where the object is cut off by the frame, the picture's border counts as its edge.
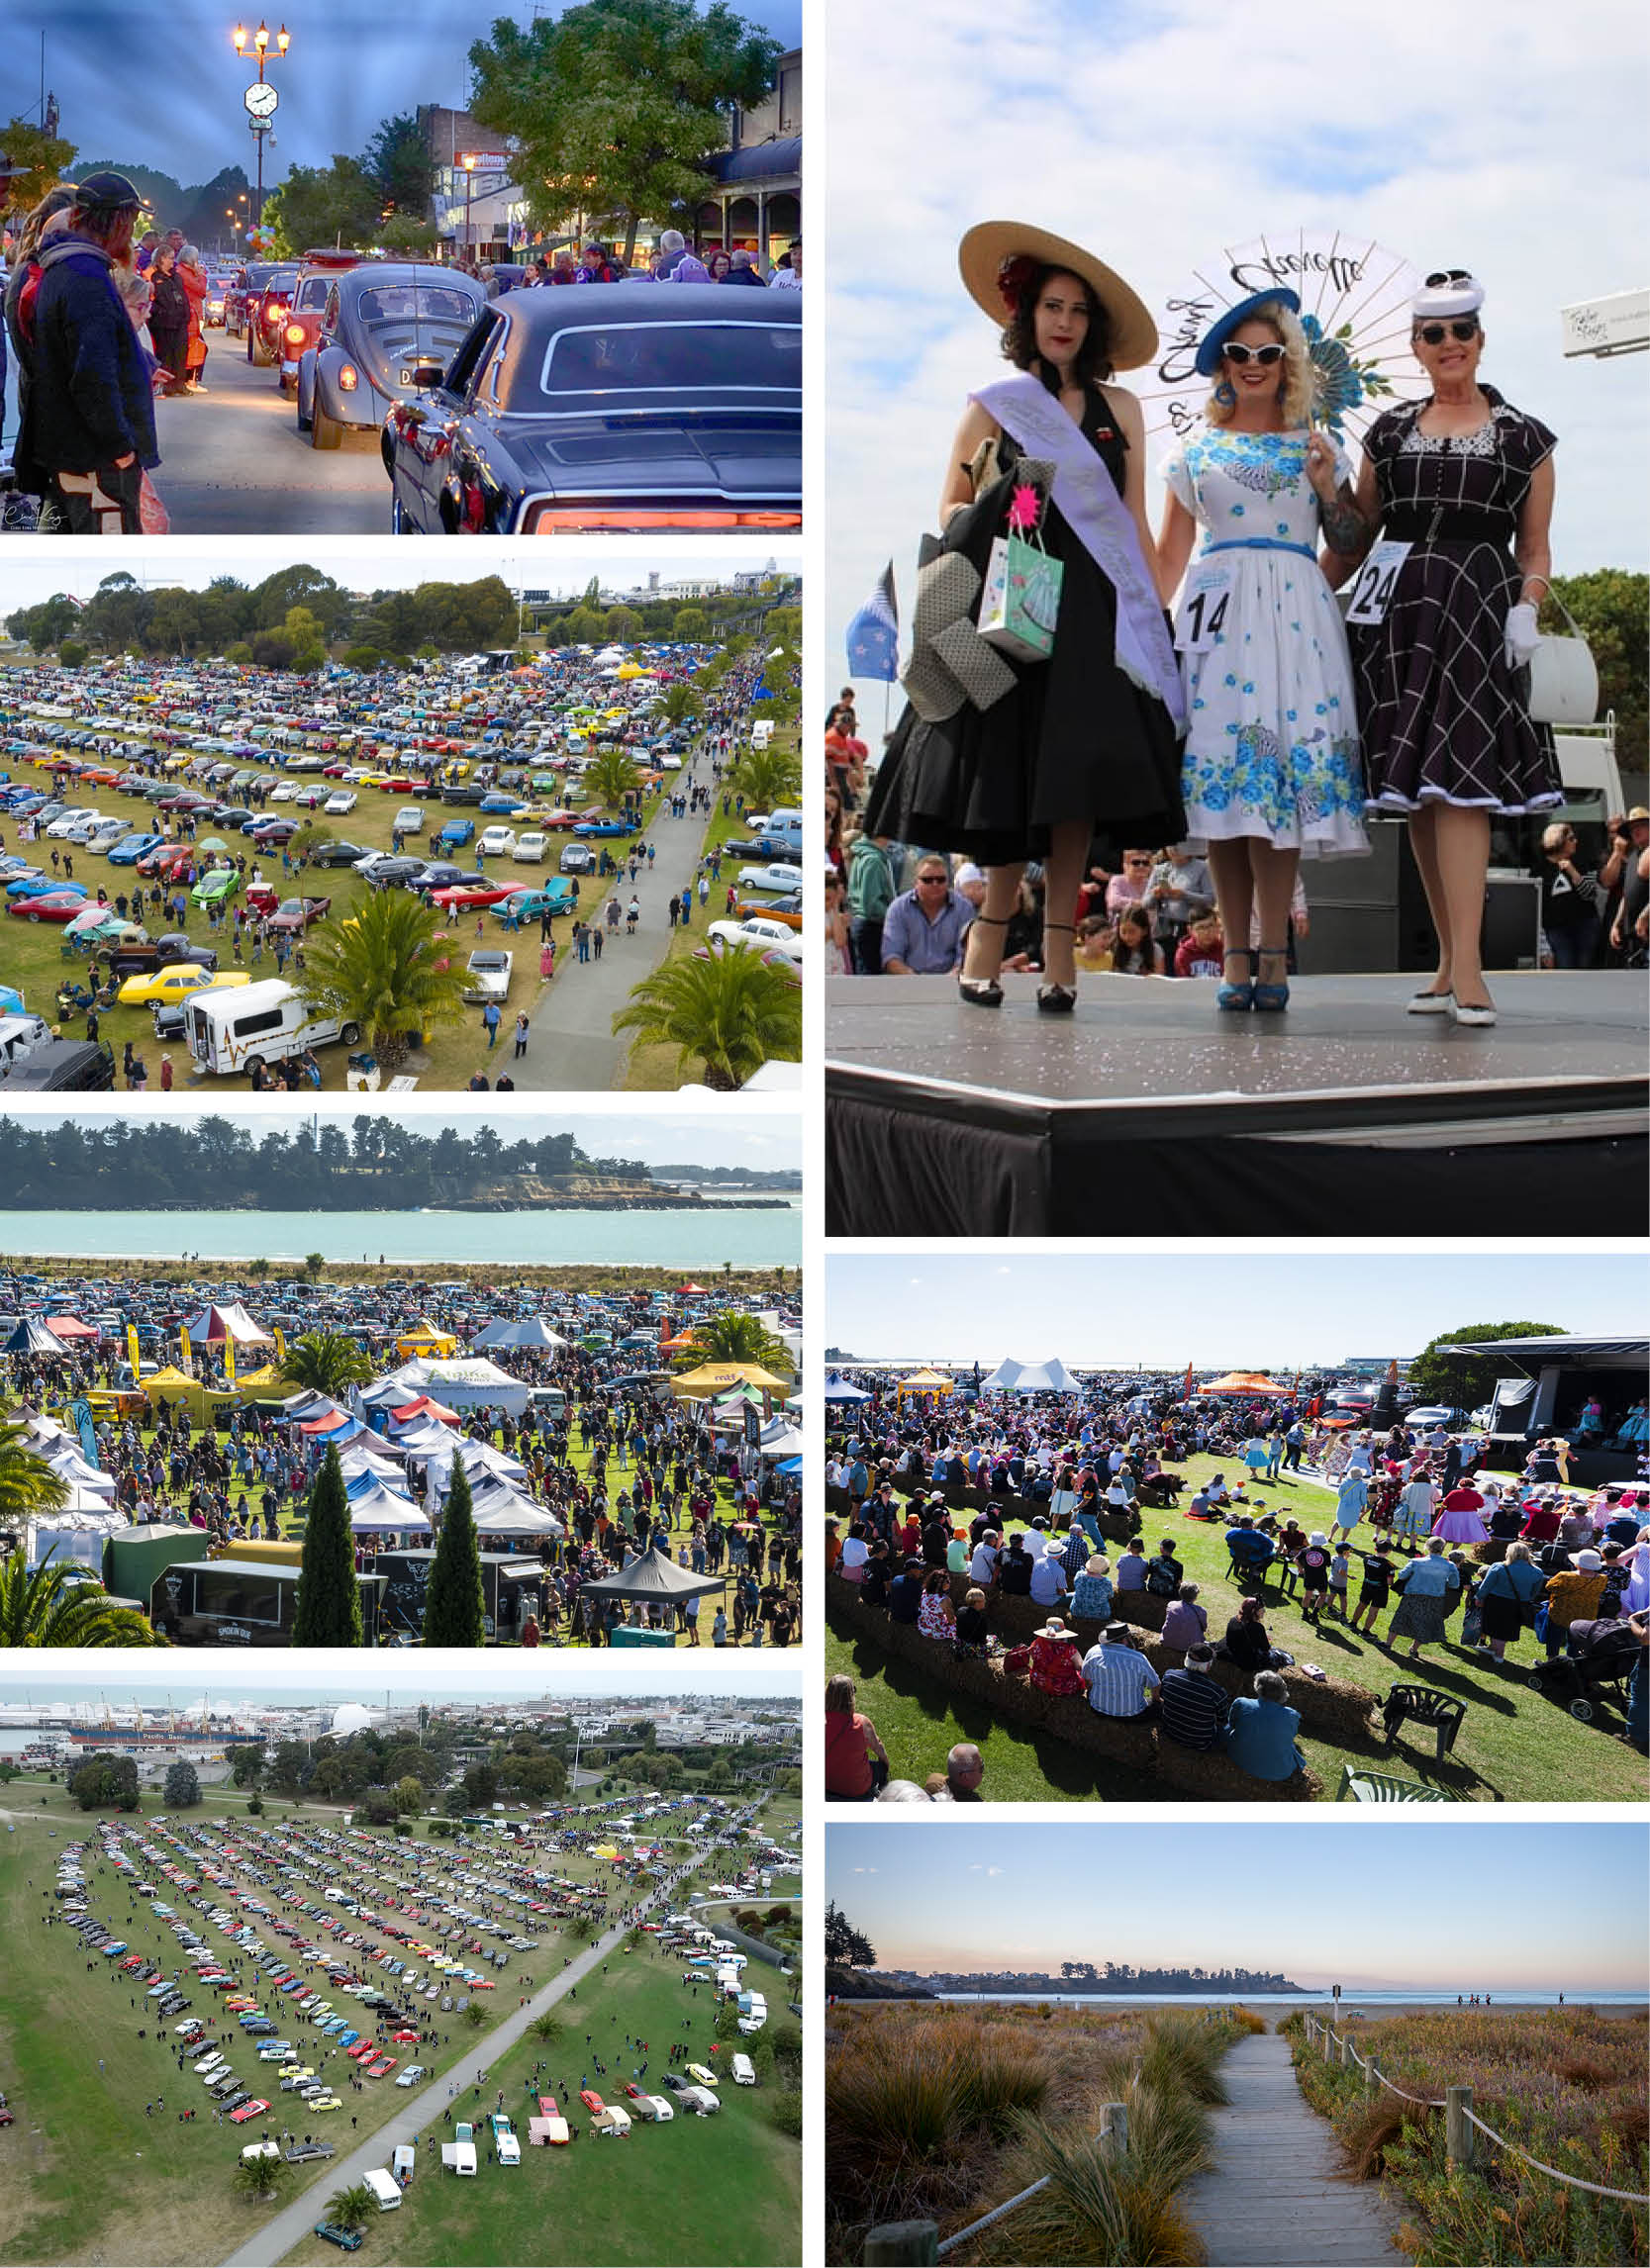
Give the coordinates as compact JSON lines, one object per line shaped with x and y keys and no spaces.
{"x":1523,"y":636}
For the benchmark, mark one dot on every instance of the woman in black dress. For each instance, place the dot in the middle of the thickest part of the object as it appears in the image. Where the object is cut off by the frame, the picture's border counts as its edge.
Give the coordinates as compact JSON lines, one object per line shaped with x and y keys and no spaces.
{"x":1079,"y":745}
{"x":1467,"y":482}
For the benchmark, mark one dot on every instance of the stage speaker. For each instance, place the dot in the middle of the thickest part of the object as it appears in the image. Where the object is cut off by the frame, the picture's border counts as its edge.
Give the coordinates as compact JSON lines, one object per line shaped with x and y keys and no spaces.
{"x":1369,"y":915}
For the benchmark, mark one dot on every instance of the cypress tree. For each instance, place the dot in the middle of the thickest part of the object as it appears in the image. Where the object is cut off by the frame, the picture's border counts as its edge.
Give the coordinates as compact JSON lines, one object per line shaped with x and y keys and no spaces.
{"x":329,"y":1610}
{"x":455,"y":1607}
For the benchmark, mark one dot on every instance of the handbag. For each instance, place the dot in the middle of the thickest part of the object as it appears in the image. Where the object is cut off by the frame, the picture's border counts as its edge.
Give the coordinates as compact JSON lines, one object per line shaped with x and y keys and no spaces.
{"x":1540,"y":1624}
{"x":1021,"y":602}
{"x":1472,"y":1627}
{"x":1563,"y":676}
{"x":1017,"y":1663}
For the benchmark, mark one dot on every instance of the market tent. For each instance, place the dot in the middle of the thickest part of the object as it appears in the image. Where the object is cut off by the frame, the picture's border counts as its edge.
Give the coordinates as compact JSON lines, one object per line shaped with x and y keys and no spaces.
{"x":232,"y":1322}
{"x":500,"y":1510}
{"x":533,"y":1331}
{"x":262,"y":1381}
{"x":651,"y":1577}
{"x":788,"y":1441}
{"x":359,"y":1457}
{"x":421,"y":1407}
{"x":425,"y":1339}
{"x":691,"y":1291}
{"x":470,"y":1382}
{"x":375,"y":1509}
{"x":1244,"y":1382}
{"x":1029,"y":1379}
{"x":481,"y":1461}
{"x":33,"y":1337}
{"x":718,"y":1377}
{"x":173,"y":1385}
{"x":70,"y":1326}
{"x":841,"y":1390}
{"x":925,"y":1383}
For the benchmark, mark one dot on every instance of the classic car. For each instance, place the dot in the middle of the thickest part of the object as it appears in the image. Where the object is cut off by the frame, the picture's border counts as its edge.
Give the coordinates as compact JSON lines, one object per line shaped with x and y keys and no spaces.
{"x":316,"y":273}
{"x":606,"y":408}
{"x":294,"y":915}
{"x":265,"y":312}
{"x":487,"y":973}
{"x":377,"y":326}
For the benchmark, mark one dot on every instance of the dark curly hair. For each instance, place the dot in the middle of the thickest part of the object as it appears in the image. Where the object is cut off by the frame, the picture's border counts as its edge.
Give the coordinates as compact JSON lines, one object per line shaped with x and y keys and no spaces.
{"x":1024,"y":281}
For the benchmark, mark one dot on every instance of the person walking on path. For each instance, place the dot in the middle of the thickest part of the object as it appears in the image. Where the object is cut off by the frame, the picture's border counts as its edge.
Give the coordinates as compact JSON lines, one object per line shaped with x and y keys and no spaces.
{"x":521,"y":1036}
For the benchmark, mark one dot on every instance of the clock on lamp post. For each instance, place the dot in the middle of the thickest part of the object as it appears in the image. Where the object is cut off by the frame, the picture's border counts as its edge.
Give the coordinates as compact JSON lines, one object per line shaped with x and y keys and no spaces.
{"x":261,"y":100}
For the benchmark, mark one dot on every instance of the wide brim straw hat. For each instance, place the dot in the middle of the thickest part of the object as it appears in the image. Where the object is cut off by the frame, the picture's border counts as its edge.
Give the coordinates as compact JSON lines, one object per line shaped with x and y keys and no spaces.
{"x":983,"y":250}
{"x":1053,"y":1627}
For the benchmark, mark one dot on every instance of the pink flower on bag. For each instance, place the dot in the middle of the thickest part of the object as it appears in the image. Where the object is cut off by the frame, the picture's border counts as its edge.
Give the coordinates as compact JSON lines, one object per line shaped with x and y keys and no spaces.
{"x":1024,"y":509}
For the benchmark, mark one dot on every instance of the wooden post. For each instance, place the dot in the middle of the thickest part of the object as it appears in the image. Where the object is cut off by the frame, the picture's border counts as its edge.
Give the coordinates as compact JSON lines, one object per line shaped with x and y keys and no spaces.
{"x":1329,"y":2044}
{"x":1113,"y":2126}
{"x":1345,"y":2050}
{"x":898,"y":2242}
{"x":1372,"y":2078}
{"x":1458,"y":2128}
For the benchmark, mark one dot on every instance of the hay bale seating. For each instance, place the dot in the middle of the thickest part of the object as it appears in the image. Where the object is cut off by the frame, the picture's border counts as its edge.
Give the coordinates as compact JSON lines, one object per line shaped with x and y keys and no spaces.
{"x":1136,"y":1745}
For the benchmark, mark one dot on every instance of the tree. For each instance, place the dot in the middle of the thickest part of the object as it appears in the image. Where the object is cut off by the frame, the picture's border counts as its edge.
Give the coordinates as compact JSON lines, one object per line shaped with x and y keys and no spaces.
{"x":75,"y":653}
{"x":735,"y":1336}
{"x":383,"y":972}
{"x":327,"y":1363}
{"x":398,"y":160}
{"x":288,"y":1766}
{"x":182,"y":1786}
{"x":408,"y":1796}
{"x":615,"y":106}
{"x":1463,"y":1380}
{"x":313,"y":207}
{"x":1610,"y":606}
{"x":106,"y":1779}
{"x":844,"y":1945}
{"x":768,"y":777}
{"x":315,"y":1264}
{"x":46,"y":1609}
{"x":39,"y":161}
{"x":260,"y":2180}
{"x":29,"y":1488}
{"x":611,"y":779}
{"x":681,"y":699}
{"x":729,"y":1014}
{"x":328,"y":1608}
{"x":249,"y":1760}
{"x":351,"y":2208}
{"x":454,"y":1607}
{"x":690,"y":626}
{"x":412,"y":238}
{"x":624,"y":625}
{"x":547,"y":2027}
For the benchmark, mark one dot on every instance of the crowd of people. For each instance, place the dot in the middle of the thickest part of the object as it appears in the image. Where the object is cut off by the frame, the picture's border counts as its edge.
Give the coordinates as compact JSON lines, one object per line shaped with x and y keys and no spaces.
{"x":1574,"y":1563}
{"x":673,"y":261}
{"x":1254,"y":727}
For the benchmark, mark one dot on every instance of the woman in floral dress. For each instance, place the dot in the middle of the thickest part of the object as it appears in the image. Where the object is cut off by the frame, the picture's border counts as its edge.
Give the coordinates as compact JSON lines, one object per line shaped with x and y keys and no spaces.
{"x":1271,"y":767}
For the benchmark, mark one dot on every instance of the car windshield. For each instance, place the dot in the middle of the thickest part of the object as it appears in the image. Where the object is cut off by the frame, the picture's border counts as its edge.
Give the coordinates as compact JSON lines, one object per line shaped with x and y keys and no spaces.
{"x":673,"y":358}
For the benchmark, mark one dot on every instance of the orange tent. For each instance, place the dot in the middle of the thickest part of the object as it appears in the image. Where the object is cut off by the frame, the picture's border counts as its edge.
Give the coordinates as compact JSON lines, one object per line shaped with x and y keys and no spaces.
{"x":1244,"y":1382}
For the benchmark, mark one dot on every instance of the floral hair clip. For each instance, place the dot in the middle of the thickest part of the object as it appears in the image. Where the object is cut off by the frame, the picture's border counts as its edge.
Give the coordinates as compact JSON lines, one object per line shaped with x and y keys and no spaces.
{"x":1013,"y":277}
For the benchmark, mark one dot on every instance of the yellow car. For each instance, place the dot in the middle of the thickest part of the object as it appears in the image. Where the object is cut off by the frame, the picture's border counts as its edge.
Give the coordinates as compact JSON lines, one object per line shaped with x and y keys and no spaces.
{"x":326,"y":2103}
{"x":174,"y":983}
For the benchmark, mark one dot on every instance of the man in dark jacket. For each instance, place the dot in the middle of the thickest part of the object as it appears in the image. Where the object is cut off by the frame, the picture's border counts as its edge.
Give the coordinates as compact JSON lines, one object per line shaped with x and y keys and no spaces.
{"x":743,"y":270}
{"x":89,"y":422}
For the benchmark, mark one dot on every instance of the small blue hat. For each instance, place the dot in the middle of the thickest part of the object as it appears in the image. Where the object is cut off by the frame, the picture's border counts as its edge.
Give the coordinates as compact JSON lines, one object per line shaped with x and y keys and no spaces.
{"x":1212,"y":344}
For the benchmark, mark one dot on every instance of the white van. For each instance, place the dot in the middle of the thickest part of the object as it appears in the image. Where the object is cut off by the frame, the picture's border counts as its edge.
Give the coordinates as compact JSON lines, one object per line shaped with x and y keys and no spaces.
{"x":761,"y":733}
{"x":384,"y":2187}
{"x":231,"y":1031}
{"x":744,"y":2072}
{"x":21,"y":1034}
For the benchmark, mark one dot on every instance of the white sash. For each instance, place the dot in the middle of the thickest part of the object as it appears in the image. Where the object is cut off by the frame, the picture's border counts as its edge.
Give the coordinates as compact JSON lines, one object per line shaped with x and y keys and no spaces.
{"x":1098,"y":516}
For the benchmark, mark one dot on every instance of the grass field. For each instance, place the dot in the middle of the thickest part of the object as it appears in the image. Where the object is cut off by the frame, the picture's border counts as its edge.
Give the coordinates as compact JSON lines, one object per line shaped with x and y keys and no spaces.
{"x":31,"y":953}
{"x":724,"y":2189}
{"x":153,"y":2191}
{"x":1513,"y":1747}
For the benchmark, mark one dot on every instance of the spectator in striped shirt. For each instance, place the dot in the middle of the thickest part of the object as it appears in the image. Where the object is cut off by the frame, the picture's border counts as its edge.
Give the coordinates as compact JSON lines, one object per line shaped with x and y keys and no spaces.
{"x":1193,"y":1705}
{"x":1121,"y":1682}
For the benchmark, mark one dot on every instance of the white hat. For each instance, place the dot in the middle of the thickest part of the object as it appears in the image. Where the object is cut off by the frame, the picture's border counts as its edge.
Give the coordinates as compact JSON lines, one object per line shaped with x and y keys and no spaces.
{"x":1447,"y":292}
{"x":968,"y":872}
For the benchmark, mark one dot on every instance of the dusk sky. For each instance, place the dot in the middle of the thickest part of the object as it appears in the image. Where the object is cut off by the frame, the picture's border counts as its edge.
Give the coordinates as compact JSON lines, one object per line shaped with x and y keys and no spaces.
{"x":1165,"y":1306}
{"x":351,"y":65}
{"x":1367,"y":1904}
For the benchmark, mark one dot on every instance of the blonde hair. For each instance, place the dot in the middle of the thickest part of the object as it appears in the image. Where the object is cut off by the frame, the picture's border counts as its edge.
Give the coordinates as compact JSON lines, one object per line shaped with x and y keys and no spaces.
{"x":1297,"y":397}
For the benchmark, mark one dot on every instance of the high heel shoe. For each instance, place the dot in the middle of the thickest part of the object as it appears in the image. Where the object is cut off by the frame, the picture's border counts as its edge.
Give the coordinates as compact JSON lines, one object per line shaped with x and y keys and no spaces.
{"x":1271,"y":997}
{"x":980,"y":991}
{"x":1237,"y":997}
{"x":1057,"y":999}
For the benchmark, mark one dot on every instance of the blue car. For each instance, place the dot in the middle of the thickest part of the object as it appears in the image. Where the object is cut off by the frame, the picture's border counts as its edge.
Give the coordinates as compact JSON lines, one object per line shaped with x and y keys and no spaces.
{"x":45,"y":885}
{"x":135,"y":847}
{"x":524,"y":906}
{"x":606,"y":827}
{"x":457,"y":832}
{"x":502,"y":807}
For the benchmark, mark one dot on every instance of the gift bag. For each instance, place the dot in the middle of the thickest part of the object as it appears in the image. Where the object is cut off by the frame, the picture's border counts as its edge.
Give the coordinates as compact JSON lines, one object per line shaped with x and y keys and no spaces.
{"x":1021,"y":603}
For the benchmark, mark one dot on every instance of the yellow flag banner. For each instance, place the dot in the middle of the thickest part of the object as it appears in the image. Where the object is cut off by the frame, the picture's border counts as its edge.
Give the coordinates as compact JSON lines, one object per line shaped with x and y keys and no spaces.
{"x":228,"y":1358}
{"x":132,"y":1348}
{"x":183,"y":1343}
{"x":280,"y":1346}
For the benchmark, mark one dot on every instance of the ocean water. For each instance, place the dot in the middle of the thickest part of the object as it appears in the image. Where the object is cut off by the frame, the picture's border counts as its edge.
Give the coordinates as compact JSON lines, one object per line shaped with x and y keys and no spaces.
{"x":748,"y":1237}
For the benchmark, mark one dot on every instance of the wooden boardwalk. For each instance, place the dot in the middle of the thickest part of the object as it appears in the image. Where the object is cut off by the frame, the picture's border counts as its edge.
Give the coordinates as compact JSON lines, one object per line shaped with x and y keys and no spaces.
{"x":1276,"y":2194}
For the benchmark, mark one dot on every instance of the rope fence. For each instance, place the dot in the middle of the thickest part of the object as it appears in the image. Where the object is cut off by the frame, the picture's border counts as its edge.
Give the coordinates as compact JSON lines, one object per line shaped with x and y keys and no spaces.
{"x":1460,"y":2117}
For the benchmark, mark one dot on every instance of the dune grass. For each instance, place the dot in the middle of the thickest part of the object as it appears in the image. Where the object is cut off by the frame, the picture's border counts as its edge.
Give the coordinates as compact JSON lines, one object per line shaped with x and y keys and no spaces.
{"x":1567,"y":2085}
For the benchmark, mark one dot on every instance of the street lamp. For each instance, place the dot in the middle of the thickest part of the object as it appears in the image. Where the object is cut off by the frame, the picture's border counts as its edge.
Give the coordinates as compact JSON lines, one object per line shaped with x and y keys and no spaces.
{"x":467,"y":161}
{"x":260,"y":99}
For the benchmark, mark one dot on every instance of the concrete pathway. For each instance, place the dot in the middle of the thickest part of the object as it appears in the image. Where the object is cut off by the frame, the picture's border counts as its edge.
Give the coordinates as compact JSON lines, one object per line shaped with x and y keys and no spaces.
{"x":572,"y":1045}
{"x":1277,"y":2194}
{"x":423,"y":2106}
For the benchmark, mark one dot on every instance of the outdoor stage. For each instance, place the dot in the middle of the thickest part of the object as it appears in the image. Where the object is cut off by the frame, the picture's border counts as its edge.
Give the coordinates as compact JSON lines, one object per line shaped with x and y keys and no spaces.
{"x":1148,"y":1113}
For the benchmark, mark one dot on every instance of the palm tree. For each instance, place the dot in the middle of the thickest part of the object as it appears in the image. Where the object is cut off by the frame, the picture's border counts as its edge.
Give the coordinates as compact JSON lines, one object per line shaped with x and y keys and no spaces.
{"x":258,"y":2179}
{"x":381,"y":972}
{"x":612,"y":777}
{"x":729,"y":1012}
{"x":351,"y":2208}
{"x":47,"y":1608}
{"x":29,"y":1488}
{"x":327,"y":1363}
{"x":768,"y":777}
{"x":547,"y":2027}
{"x":732,"y":1336}
{"x":680,"y":701}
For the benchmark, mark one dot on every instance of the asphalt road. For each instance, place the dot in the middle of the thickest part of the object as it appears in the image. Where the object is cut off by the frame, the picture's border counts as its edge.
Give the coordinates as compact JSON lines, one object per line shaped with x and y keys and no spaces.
{"x":424,"y":2107}
{"x":571,"y":1045}
{"x":233,"y":462}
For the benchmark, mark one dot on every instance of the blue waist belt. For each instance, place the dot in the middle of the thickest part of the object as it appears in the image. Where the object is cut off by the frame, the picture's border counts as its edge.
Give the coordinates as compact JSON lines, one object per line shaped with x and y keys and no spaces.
{"x":1259,"y":543}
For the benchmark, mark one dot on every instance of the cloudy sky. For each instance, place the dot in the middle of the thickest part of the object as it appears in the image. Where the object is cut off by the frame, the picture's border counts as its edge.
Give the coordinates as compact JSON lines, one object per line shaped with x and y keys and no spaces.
{"x":1461,"y":134}
{"x":1162,"y":1307}
{"x":337,"y":1675}
{"x":969,"y":1896}
{"x":351,"y":65}
{"x":77,"y":564}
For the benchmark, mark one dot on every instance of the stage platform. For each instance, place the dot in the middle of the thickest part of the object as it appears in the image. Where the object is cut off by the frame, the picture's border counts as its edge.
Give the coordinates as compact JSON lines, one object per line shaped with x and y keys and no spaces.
{"x":1148,"y":1112}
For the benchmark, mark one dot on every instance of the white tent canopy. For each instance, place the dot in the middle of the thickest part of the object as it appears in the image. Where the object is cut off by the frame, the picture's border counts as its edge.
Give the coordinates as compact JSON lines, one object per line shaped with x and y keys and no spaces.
{"x":380,"y":1511}
{"x":481,"y":1461}
{"x":500,"y":1510}
{"x":532,"y":1332}
{"x":1029,"y":1379}
{"x":466,"y":1382}
{"x":783,"y":1441}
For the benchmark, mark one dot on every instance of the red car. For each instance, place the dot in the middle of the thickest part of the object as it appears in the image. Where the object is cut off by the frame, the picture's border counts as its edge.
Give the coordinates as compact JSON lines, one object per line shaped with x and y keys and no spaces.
{"x":55,"y":907}
{"x":253,"y":2110}
{"x":302,"y":324}
{"x":361,"y":2050}
{"x":265,"y":314}
{"x":294,"y":915}
{"x":467,"y":897}
{"x":381,"y":2067}
{"x":591,"y":2100}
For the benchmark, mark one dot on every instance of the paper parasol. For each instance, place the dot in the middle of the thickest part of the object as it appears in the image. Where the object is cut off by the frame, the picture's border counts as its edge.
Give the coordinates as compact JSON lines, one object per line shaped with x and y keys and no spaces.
{"x":1354,"y":299}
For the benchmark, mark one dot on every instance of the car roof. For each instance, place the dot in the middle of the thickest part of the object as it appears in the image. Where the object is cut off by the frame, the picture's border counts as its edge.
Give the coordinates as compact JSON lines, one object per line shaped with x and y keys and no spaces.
{"x":624,"y":303}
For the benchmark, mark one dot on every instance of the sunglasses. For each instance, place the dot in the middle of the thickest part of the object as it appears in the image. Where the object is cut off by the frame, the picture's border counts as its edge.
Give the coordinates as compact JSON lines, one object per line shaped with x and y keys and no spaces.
{"x":1447,"y":276}
{"x":1435,"y":334}
{"x":1264,"y":355}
